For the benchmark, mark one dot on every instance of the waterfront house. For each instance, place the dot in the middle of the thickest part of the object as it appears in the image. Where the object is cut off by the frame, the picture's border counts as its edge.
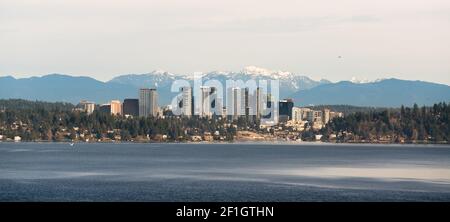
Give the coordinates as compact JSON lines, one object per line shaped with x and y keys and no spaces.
{"x":17,"y":139}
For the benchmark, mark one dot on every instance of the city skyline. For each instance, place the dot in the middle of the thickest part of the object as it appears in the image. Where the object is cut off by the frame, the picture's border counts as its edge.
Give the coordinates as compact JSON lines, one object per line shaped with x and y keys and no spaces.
{"x":331,"y":40}
{"x":244,"y":101}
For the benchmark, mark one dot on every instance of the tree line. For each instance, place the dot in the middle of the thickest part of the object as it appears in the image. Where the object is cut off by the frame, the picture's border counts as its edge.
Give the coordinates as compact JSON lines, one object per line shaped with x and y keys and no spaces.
{"x":407,"y":124}
{"x":41,"y":121}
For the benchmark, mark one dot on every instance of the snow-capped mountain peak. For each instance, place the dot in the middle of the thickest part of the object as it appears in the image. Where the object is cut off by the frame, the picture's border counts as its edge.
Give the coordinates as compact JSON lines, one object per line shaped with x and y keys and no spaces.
{"x":362,"y":81}
{"x":254,"y":70}
{"x":289,"y":83}
{"x":161,"y":72}
{"x":358,"y":81}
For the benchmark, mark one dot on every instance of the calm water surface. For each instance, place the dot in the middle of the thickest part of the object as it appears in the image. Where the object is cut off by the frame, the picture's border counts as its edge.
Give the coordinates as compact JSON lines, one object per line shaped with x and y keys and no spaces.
{"x":223,"y":172}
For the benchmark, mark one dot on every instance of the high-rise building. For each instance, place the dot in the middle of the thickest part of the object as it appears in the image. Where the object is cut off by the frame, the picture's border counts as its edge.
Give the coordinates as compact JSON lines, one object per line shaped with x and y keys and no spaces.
{"x":266,"y":105}
{"x":186,"y":101}
{"x":326,"y":116}
{"x":148,"y":102}
{"x":131,"y":107}
{"x":87,"y":106}
{"x":259,"y":102}
{"x":217,"y":105}
{"x":205,"y":103}
{"x":233,"y":108}
{"x":270,"y":100}
{"x":245,"y":102}
{"x":105,"y":108}
{"x":285,"y":109}
{"x":216,"y":102}
{"x":116,"y":107}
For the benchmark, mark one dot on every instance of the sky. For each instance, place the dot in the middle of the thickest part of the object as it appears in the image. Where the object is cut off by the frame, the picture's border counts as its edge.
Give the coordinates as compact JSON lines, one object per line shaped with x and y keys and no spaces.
{"x":334,"y":40}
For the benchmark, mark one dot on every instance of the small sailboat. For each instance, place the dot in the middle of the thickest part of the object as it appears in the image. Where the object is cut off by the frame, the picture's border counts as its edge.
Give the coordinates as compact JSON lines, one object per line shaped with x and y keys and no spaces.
{"x":71,"y":144}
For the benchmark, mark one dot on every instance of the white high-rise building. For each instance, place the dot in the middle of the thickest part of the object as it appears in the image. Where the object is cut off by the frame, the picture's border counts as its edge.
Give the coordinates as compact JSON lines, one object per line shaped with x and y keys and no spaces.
{"x":205,"y":103}
{"x":259,"y":103}
{"x":218,"y":105}
{"x":186,"y":101}
{"x":87,"y":106}
{"x":148,"y":102}
{"x":234,"y":102}
{"x":326,"y":116}
{"x":245,"y":108}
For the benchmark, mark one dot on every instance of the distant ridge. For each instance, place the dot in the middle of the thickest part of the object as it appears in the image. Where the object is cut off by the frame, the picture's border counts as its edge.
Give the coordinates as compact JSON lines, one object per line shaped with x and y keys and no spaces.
{"x":383,"y":93}
{"x":304,"y":91}
{"x":64,"y":88}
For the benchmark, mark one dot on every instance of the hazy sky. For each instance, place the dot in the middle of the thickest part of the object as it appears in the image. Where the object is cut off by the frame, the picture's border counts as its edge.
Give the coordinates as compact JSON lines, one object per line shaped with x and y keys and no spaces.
{"x":407,"y":39}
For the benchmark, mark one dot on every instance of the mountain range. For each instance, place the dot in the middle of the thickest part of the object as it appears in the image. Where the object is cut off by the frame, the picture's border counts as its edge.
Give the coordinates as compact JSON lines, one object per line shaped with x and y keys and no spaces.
{"x":304,"y":90}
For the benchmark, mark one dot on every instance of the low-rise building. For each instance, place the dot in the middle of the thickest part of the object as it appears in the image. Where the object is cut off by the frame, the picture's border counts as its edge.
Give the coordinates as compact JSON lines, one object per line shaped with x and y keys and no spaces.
{"x":196,"y":138}
{"x":300,"y":113}
{"x":335,"y":115}
{"x":332,"y":136}
{"x":314,"y":116}
{"x":208,"y":137}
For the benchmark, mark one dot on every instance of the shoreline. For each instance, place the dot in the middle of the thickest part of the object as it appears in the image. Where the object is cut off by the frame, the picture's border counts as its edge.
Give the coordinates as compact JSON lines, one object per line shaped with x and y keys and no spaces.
{"x":293,"y":143}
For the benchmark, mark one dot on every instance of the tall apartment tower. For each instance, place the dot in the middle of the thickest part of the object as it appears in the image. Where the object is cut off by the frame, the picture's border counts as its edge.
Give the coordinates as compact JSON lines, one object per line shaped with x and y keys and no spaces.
{"x":116,"y":107}
{"x":205,"y":106}
{"x":234,"y":103}
{"x":326,"y":116}
{"x":186,"y":101}
{"x":148,"y":102}
{"x":259,"y":103}
{"x":244,"y":101}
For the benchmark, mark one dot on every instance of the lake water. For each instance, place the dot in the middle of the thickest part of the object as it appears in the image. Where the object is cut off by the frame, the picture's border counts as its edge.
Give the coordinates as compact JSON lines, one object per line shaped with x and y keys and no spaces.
{"x":223,"y":172}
